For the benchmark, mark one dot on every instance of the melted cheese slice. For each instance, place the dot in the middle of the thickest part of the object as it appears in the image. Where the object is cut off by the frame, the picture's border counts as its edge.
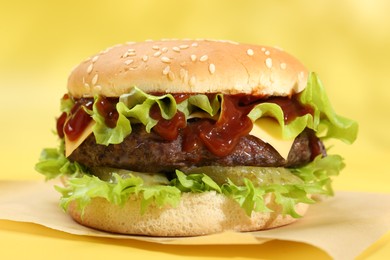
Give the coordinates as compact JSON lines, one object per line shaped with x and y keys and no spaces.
{"x":269,"y":131}
{"x":70,"y":146}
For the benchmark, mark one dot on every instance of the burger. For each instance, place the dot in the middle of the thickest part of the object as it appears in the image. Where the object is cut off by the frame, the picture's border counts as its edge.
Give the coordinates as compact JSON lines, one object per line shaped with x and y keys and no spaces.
{"x":192,"y":137}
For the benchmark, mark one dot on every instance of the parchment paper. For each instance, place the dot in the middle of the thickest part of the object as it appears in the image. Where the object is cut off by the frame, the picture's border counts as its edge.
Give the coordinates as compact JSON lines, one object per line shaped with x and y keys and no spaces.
{"x":342,"y":226}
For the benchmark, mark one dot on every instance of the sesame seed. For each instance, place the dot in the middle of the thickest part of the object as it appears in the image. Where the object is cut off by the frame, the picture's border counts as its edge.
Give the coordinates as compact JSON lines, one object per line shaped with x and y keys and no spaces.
{"x":193,"y":57}
{"x":94,"y":79}
{"x":165,"y":49}
{"x":192,"y":81}
{"x":90,"y":67}
{"x":155,"y":47}
{"x":131,"y":50}
{"x":204,"y":58}
{"x":212,"y":68}
{"x":165,"y":59}
{"x":182,"y":73}
{"x":263,"y":49}
{"x":171,"y":76}
{"x":268,"y":62}
{"x":97,"y":88}
{"x":145,"y":58}
{"x":177,"y":49}
{"x":184,"y":46}
{"x":128,"y":62}
{"x":195,"y":44}
{"x":157,"y":53}
{"x":267,"y":53}
{"x":183,"y":64}
{"x":95,"y":59}
{"x":250,"y":52}
{"x":166,"y":70}
{"x":283,"y":66}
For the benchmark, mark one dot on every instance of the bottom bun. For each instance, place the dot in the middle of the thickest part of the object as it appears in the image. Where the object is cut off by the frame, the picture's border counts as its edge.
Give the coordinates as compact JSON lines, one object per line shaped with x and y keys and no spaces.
{"x":197,"y":214}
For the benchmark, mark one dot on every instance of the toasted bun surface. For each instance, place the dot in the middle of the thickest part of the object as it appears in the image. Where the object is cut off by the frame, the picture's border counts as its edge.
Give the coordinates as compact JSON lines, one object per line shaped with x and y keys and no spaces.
{"x":189,"y":66}
{"x":197,"y":214}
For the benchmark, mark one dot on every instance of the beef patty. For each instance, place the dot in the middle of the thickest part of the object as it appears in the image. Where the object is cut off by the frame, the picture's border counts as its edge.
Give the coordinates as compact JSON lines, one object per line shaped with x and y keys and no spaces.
{"x":148,"y":152}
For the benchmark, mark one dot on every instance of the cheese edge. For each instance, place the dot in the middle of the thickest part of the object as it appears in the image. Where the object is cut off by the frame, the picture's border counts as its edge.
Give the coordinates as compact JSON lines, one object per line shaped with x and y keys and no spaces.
{"x":269,"y":131}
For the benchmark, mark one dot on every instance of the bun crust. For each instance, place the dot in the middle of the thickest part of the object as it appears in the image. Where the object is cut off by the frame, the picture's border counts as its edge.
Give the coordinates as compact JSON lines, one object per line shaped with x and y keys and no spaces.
{"x":189,"y":66}
{"x":197,"y":214}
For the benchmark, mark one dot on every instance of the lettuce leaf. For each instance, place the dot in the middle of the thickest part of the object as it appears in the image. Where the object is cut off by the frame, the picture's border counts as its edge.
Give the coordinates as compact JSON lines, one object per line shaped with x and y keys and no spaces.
{"x":337,"y":126}
{"x":66,"y":104}
{"x":316,"y":178}
{"x":83,"y":189}
{"x":106,"y":135}
{"x":53,"y":163}
{"x":194,"y":183}
{"x":324,"y":117}
{"x":249,"y":197}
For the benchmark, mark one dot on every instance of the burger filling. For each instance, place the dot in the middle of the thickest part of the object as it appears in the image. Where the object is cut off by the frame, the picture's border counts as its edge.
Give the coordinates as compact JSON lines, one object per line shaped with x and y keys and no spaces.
{"x":182,"y":144}
{"x":195,"y":143}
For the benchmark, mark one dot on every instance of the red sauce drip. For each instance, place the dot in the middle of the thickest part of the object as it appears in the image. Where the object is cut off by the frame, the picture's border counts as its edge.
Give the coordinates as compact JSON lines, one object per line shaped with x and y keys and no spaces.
{"x":107,"y":109}
{"x":78,"y":119}
{"x":291,"y":107}
{"x":181,"y":97}
{"x":60,"y":124}
{"x":167,"y":129}
{"x":222,"y":136}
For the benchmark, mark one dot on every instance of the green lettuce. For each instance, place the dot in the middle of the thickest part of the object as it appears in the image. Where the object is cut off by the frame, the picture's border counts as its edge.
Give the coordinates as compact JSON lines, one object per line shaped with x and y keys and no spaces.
{"x":336,"y":126}
{"x":316,"y":177}
{"x":323,"y":119}
{"x":106,"y":135}
{"x":66,"y":105}
{"x":83,"y":189}
{"x":53,"y":163}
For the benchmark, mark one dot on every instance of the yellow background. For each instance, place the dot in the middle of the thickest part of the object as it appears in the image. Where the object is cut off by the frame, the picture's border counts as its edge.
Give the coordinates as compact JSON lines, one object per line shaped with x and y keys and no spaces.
{"x":346,"y":42}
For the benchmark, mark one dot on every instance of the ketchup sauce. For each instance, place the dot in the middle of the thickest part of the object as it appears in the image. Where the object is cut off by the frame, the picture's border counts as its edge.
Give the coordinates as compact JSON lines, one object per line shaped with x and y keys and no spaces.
{"x":169,"y":129}
{"x":107,"y":109}
{"x":78,"y":119}
{"x":221,"y":137}
{"x":291,"y":107}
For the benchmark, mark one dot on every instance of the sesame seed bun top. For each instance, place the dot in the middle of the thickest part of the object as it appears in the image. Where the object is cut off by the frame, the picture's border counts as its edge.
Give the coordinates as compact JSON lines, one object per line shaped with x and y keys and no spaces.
{"x":189,"y":66}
